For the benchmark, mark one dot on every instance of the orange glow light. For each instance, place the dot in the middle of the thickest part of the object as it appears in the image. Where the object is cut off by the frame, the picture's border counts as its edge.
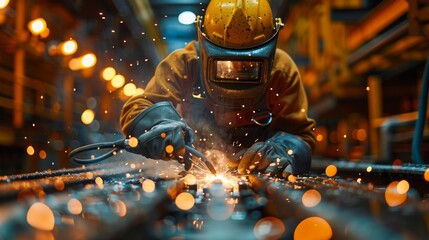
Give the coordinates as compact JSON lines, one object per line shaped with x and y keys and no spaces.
{"x":41,"y":217}
{"x":311,"y":198}
{"x":74,"y":206}
{"x":133,"y":142}
{"x":169,"y":148}
{"x":87,"y":116}
{"x":118,"y":81}
{"x":3,"y":3}
{"x":148,"y":185}
{"x":129,"y":89}
{"x":42,"y":154}
{"x":403,"y":187}
{"x":30,"y":150}
{"x":120,"y":208}
{"x":331,"y":170}
{"x":108,"y":73}
{"x":68,"y":47}
{"x":37,"y":26}
{"x":269,"y":228}
{"x":185,"y":201}
{"x":392,"y":196}
{"x":190,"y":179}
{"x":313,"y":228}
{"x":89,"y":60}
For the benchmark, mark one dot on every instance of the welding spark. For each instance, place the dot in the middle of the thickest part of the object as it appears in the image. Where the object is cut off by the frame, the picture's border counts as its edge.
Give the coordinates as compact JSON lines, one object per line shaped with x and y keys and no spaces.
{"x":205,"y":178}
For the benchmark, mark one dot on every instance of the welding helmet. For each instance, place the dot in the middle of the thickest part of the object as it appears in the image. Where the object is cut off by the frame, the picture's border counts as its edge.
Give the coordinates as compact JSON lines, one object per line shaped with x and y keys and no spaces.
{"x":237,"y":42}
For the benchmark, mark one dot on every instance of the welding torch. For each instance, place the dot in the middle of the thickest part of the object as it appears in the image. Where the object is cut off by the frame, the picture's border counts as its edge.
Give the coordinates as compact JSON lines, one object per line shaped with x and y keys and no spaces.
{"x":123,"y":144}
{"x":203,"y":157}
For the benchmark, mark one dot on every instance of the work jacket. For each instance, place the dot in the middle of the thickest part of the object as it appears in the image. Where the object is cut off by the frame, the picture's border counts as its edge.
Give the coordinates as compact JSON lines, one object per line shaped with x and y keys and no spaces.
{"x":176,"y":79}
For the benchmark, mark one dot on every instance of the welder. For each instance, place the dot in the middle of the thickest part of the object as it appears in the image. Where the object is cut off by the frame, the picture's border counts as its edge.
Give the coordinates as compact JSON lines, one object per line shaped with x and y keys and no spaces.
{"x":231,"y":90}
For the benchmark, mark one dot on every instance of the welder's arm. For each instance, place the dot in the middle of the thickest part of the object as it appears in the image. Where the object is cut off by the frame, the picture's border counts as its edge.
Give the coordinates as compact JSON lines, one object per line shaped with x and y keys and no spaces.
{"x":281,"y":155}
{"x":161,"y":133}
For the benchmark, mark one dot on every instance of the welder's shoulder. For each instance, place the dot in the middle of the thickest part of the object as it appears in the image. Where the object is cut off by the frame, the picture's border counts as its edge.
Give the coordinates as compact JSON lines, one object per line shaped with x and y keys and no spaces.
{"x":187,"y":53}
{"x":283,"y":61}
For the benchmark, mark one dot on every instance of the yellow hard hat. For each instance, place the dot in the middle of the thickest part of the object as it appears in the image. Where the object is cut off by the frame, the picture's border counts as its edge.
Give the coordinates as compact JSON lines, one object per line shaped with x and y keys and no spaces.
{"x":238,"y":23}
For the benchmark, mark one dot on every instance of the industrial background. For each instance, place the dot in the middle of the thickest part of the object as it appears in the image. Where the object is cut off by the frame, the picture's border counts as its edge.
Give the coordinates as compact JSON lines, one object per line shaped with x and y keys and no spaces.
{"x":67,"y":67}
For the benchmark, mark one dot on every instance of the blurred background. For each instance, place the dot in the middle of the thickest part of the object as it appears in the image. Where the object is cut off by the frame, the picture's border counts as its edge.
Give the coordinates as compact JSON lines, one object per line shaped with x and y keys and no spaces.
{"x":67,"y":67}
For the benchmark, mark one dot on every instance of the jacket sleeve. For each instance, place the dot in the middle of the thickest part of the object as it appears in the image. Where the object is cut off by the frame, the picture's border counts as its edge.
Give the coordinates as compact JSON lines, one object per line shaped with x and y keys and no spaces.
{"x":288,"y":101}
{"x":173,"y":79}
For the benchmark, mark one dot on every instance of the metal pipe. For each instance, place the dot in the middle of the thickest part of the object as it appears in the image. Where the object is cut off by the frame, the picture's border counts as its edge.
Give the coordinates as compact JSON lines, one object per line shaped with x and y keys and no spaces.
{"x":416,"y":154}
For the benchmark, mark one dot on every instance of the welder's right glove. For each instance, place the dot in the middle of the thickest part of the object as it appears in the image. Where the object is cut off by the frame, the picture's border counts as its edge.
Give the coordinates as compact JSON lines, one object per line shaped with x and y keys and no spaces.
{"x":281,"y":155}
{"x":162,"y":134}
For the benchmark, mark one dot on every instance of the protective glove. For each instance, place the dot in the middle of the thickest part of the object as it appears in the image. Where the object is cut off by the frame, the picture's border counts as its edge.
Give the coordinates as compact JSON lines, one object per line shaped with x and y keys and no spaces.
{"x":281,"y":155}
{"x":162,"y":134}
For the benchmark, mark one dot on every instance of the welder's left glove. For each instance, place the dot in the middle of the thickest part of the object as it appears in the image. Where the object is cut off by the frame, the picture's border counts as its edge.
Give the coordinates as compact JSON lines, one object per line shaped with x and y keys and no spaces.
{"x":281,"y":155}
{"x":162,"y":134}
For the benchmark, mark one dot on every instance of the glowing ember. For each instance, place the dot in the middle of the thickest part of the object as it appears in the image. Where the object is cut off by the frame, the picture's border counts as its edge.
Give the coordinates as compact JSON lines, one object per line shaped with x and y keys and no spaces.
{"x":41,"y":217}
{"x":313,"y":228}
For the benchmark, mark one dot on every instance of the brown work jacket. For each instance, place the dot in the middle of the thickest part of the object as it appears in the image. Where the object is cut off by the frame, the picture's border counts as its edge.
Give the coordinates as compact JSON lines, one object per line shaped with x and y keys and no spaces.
{"x":176,"y":76}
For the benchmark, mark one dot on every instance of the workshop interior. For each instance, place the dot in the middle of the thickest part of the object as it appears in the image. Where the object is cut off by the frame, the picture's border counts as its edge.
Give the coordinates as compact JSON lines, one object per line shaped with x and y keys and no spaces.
{"x":68,"y":66}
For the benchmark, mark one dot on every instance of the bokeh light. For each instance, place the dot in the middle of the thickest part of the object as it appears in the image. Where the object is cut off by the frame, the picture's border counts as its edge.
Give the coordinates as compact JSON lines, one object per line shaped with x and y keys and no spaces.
{"x":220,"y":210}
{"x":87,"y":116}
{"x":99,"y":181}
{"x":133,"y":142}
{"x":185,"y":201}
{"x":3,"y":3}
{"x":129,"y":89}
{"x":331,"y":170}
{"x":187,"y":17}
{"x":118,"y":81}
{"x":41,"y":217}
{"x":315,"y":228}
{"x":89,"y":60}
{"x":120,"y":208}
{"x":108,"y":73}
{"x":311,"y":198}
{"x":42,"y":154}
{"x":403,"y":187}
{"x":148,"y":185}
{"x":269,"y":228}
{"x":190,"y":179}
{"x":30,"y":150}
{"x":68,"y":47}
{"x":37,"y":26}
{"x":74,"y":206}
{"x":392,"y":196}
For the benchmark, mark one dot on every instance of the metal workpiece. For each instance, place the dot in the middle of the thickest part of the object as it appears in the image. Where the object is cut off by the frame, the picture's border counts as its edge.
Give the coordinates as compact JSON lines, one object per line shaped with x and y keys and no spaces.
{"x":150,"y":199}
